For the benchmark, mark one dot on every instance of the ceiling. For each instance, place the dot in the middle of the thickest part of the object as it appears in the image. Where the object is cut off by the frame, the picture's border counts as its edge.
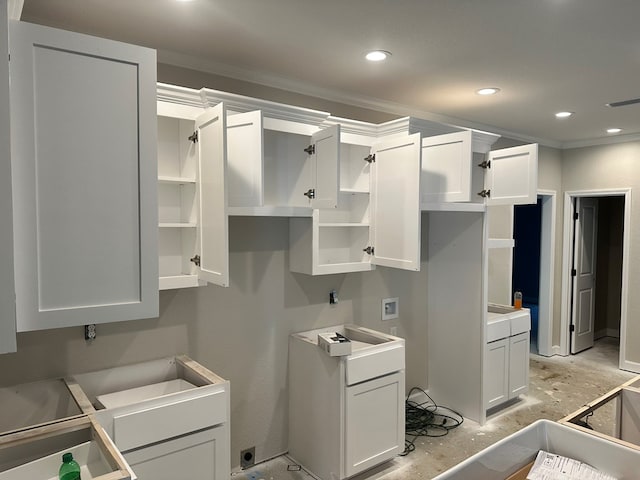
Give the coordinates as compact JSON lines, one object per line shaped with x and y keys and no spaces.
{"x":545,"y":55}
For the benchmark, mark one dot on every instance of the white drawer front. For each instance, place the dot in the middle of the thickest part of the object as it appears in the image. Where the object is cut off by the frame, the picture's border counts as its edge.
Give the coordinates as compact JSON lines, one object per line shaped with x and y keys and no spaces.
{"x":375,"y":364}
{"x":151,"y":425}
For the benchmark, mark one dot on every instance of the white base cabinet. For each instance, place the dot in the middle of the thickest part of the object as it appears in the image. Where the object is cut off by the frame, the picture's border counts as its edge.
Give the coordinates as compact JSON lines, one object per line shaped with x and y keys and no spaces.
{"x":346,"y":413}
{"x":506,"y":374}
{"x":169,"y":417}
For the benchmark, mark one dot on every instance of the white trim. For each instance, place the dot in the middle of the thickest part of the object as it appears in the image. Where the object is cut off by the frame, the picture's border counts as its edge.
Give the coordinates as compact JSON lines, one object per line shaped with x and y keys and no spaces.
{"x":555,"y":350}
{"x":15,"y":9}
{"x":630,"y":137}
{"x":347,"y":98}
{"x":566,"y":266}
{"x":630,"y":366}
{"x":547,"y":272}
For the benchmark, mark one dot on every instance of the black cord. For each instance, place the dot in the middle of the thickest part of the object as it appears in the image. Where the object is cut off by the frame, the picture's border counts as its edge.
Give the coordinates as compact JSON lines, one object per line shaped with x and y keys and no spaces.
{"x":427,"y":419}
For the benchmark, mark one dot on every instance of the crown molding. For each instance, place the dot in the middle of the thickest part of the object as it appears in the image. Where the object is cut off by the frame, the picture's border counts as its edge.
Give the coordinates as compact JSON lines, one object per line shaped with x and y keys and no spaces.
{"x":610,"y":140}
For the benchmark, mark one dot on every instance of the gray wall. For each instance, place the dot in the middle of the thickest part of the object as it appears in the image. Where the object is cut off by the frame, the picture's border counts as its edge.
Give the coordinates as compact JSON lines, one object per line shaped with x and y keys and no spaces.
{"x":613,"y":167}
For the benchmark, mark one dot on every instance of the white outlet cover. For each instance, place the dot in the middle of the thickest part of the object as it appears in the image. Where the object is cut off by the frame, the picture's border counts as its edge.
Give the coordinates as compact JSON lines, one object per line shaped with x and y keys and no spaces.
{"x":390,"y":308}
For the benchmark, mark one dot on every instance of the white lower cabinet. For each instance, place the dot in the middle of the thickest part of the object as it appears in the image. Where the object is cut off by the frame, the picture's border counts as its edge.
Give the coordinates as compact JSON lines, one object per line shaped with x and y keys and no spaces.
{"x":169,"y":417}
{"x":346,"y":413}
{"x":200,"y":455}
{"x":507,"y":363}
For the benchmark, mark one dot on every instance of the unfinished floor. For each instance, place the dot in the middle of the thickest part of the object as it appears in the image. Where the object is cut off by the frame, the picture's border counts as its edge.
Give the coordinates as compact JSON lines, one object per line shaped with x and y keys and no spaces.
{"x":558,"y":386}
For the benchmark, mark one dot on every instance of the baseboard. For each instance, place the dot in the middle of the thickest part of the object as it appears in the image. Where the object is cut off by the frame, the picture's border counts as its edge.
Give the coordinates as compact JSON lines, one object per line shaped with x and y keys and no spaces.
{"x":555,"y":350}
{"x":630,"y":366}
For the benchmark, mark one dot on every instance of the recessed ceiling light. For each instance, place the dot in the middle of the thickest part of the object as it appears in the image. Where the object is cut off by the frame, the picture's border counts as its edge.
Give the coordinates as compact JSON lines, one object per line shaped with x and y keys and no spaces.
{"x":377,"y":55}
{"x":488,"y":91}
{"x":563,"y":114}
{"x":614,"y":130}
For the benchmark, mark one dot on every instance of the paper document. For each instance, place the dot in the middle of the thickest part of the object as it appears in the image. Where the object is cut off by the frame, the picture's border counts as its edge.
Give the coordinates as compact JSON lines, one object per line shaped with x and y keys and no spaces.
{"x":549,"y":466}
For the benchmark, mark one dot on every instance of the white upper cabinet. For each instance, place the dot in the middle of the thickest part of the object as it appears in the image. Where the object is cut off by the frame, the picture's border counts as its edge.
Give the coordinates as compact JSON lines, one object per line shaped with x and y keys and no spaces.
{"x":395,"y":203}
{"x":377,"y":221}
{"x":446,"y":168}
{"x":460,"y":172}
{"x":7,"y":290}
{"x":83,"y":155}
{"x":278,"y":170}
{"x":214,"y":240}
{"x":511,"y":176}
{"x":193,"y":233}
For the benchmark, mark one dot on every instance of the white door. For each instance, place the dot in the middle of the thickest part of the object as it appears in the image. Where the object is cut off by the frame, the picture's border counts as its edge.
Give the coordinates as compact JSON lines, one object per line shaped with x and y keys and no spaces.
{"x":245,"y":159}
{"x":212,"y":196}
{"x":395,"y":203}
{"x":374,"y":422}
{"x":7,"y":290}
{"x":446,"y":168}
{"x":512,"y":176}
{"x":325,"y":167}
{"x":84,"y":166}
{"x":583,"y":308}
{"x":518,"y":364}
{"x":496,"y":375}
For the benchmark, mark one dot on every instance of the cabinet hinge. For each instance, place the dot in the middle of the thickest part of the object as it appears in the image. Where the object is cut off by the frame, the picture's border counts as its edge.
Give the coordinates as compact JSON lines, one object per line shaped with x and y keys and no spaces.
{"x":485,"y":164}
{"x":195,"y":259}
{"x":311,"y":193}
{"x":575,"y":215}
{"x":485,"y":193}
{"x":369,"y":250}
{"x":572,"y":328}
{"x":193,"y":137}
{"x":574,"y":272}
{"x":310,"y":150}
{"x":370,"y":158}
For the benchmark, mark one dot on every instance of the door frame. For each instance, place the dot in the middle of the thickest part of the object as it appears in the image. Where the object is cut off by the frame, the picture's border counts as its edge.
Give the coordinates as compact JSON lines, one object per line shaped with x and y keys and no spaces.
{"x":567,"y":257}
{"x":547,"y":272}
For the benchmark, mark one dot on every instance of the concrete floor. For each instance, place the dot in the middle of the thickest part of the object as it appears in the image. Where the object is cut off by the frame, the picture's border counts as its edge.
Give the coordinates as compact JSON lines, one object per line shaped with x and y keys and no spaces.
{"x":558,"y":386}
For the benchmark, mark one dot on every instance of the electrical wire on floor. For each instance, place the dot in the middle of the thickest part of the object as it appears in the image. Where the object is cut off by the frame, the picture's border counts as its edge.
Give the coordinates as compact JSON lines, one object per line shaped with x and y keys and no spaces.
{"x":427,"y":419}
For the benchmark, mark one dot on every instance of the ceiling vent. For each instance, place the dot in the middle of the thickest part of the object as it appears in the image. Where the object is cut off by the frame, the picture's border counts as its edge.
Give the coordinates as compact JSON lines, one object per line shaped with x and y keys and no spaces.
{"x":624,"y":103}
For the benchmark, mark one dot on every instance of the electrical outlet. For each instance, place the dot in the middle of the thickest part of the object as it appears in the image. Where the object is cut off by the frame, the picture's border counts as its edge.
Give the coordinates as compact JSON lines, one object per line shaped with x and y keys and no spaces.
{"x":390,"y":308}
{"x":90,"y":332}
{"x":247,"y":457}
{"x":333,"y":297}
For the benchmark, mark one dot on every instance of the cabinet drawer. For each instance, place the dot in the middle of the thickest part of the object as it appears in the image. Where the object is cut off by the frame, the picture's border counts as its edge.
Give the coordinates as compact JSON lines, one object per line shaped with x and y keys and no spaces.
{"x":374,"y":364}
{"x":158,"y":423}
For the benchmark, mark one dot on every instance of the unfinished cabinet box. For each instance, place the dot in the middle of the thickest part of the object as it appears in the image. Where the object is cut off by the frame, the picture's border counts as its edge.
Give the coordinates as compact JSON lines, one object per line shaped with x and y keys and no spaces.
{"x":377,"y":221}
{"x":163,"y":415}
{"x":83,"y":158}
{"x":192,"y":202}
{"x":7,"y":287}
{"x":615,"y":416}
{"x":519,"y":449}
{"x":337,"y":397}
{"x":37,"y":453}
{"x":37,"y":404}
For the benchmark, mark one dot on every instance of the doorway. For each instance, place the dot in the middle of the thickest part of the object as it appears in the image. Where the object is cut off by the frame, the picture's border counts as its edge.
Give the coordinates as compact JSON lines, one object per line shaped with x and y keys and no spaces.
{"x":595,"y":266}
{"x":533,"y":265}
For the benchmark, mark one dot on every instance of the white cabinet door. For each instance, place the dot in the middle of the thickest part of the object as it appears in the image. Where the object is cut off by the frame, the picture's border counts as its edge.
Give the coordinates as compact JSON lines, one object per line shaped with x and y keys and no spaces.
{"x":83,"y":125}
{"x":496,"y":375}
{"x":512,"y":175}
{"x":245,"y":152}
{"x":446,"y":168}
{"x":395,"y":203}
{"x":325,"y":167}
{"x":374,"y":422}
{"x":212,"y":204}
{"x":202,"y":455}
{"x":7,"y":290}
{"x":518,"y":364}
